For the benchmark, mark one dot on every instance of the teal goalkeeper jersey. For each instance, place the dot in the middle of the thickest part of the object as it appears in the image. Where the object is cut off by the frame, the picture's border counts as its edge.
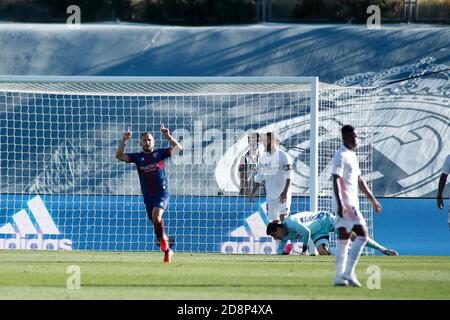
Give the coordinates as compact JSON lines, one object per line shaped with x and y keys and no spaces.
{"x":296,"y":231}
{"x":305,"y":225}
{"x":319,"y":223}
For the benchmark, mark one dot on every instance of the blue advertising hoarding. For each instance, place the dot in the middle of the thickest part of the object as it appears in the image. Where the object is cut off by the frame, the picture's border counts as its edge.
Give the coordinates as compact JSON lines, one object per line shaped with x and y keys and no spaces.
{"x":119,"y":223}
{"x":229,"y":225}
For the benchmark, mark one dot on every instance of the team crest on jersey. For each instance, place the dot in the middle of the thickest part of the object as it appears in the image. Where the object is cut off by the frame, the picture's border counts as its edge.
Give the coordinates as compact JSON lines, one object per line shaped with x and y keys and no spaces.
{"x":411,"y":115}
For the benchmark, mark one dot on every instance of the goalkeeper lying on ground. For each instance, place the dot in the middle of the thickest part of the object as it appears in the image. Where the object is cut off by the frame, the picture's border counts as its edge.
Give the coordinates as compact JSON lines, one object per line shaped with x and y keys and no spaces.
{"x":311,"y":226}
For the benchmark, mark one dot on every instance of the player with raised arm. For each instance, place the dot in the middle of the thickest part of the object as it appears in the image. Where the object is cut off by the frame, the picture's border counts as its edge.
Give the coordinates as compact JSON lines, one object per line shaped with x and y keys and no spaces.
{"x":320,"y":224}
{"x":152,"y":177}
{"x":275,"y":169}
{"x":346,"y":180}
{"x":441,"y":187}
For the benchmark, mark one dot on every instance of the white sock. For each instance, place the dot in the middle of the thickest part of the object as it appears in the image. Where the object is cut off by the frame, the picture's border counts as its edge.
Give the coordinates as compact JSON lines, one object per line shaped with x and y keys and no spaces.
{"x":277,"y":245}
{"x":375,"y":245}
{"x":353,"y":257}
{"x":341,"y":256}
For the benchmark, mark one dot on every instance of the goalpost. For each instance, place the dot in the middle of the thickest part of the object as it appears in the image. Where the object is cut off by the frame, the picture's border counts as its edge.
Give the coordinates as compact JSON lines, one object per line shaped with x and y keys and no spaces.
{"x":62,"y":188}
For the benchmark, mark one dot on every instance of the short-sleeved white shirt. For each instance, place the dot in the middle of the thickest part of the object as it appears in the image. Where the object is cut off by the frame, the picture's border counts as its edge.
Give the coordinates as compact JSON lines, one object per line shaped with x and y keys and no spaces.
{"x":274,"y":169}
{"x":446,"y":167}
{"x":345,"y":165}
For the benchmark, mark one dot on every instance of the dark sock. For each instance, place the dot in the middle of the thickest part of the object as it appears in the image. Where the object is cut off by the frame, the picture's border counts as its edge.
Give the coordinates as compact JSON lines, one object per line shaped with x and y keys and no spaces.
{"x":159,"y":229}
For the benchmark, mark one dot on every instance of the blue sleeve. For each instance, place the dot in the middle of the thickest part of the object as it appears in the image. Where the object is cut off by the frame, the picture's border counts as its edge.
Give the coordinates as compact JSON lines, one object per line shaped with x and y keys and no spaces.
{"x":132,"y":157}
{"x":167,"y":152}
{"x":164,"y":153}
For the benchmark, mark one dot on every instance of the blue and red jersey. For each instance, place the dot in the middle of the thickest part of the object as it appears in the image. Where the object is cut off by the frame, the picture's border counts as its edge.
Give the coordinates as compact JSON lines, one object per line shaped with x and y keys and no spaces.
{"x":151,"y":172}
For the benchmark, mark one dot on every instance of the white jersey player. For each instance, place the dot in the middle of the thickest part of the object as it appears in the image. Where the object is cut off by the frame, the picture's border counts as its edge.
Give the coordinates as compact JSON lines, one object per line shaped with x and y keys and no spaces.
{"x":275,"y":169}
{"x":346,"y":180}
{"x":442,"y":182}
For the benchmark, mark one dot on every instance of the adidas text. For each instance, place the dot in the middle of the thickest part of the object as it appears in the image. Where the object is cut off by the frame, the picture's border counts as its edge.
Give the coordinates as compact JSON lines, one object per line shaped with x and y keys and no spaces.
{"x":36,"y":243}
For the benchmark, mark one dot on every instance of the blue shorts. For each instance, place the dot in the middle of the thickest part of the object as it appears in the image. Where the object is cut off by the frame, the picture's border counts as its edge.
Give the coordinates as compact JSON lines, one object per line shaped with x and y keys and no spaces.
{"x":161,"y":201}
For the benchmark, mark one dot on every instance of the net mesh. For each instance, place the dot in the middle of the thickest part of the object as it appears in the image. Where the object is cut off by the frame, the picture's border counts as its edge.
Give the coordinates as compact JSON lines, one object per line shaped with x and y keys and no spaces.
{"x":58,"y":168}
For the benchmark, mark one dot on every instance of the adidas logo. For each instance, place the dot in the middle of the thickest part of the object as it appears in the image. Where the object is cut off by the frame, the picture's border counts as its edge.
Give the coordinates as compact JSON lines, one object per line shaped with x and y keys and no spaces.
{"x":253,"y":229}
{"x":24,"y":230}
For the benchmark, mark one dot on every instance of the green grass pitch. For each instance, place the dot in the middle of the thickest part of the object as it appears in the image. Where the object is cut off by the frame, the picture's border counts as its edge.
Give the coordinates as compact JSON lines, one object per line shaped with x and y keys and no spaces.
{"x":108,"y":275}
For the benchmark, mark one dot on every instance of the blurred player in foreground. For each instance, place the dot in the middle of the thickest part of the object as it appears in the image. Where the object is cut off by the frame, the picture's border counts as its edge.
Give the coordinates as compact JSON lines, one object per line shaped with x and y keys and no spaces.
{"x":152,"y":177}
{"x":347,"y":179}
{"x":316,"y":227}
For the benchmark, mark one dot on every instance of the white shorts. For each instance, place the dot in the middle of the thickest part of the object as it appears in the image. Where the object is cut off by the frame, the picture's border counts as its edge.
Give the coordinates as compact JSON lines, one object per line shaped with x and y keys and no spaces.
{"x":352,"y":218}
{"x":275,"y":208}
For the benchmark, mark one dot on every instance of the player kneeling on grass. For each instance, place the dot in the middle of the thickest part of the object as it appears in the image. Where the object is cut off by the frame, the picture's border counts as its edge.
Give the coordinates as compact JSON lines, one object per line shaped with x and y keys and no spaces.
{"x":152,"y":177}
{"x":320,"y":224}
{"x":290,"y":229}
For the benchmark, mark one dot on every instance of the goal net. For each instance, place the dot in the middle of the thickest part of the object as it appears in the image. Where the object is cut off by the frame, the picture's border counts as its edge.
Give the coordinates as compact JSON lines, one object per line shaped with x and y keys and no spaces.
{"x":62,"y":188}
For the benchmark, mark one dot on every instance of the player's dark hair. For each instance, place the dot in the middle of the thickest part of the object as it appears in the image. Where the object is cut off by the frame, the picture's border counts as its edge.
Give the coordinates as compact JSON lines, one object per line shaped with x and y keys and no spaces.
{"x":145,"y":133}
{"x":347,"y":129}
{"x":272,"y":227}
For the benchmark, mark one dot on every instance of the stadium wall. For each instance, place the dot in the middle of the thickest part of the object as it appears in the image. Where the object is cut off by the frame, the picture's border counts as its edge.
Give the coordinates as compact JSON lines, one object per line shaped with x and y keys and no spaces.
{"x":331,"y":52}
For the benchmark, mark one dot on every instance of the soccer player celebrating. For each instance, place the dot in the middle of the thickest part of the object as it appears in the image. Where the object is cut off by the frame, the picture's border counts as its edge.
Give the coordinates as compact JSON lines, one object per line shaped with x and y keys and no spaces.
{"x":248,"y":167}
{"x":320,"y":224}
{"x":152,"y":177}
{"x":346,"y":180}
{"x":442,"y":182}
{"x":275,"y":169}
